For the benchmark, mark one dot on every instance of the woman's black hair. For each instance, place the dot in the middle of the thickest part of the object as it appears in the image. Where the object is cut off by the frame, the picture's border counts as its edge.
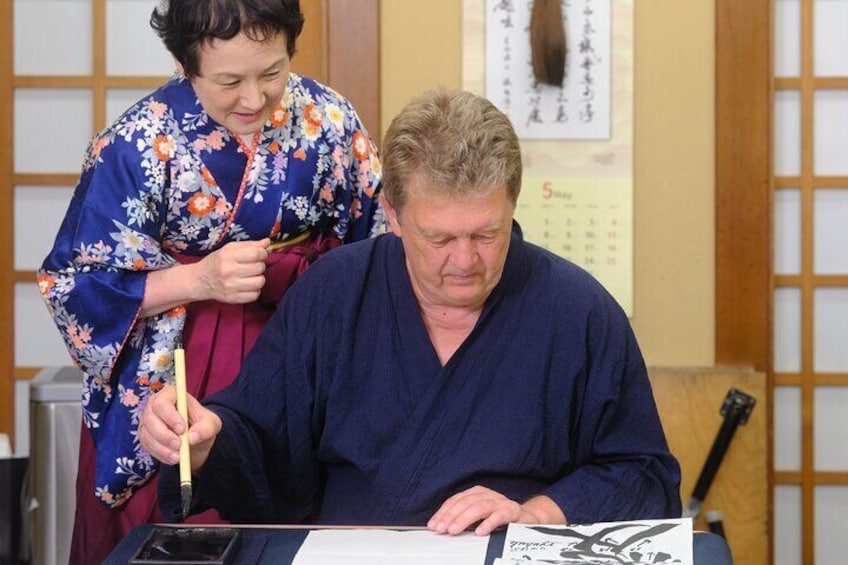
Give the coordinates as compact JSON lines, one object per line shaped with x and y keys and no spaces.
{"x":184,"y":25}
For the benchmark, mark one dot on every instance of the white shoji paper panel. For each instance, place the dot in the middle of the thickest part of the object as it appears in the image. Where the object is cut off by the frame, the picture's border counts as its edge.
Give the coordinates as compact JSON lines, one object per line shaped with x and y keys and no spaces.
{"x":38,"y":214}
{"x":831,"y":232}
{"x":787,"y":232}
{"x":144,"y":54}
{"x":830,"y":41}
{"x":119,"y":99}
{"x":53,"y":37}
{"x":787,"y":38}
{"x":52,"y":129}
{"x":831,"y":502}
{"x":787,"y":525}
{"x":787,"y":330}
{"x":830,"y":313}
{"x":831,"y":428}
{"x":830,"y":135}
{"x":787,"y":428}
{"x":37,"y":341}
{"x":787,"y":133}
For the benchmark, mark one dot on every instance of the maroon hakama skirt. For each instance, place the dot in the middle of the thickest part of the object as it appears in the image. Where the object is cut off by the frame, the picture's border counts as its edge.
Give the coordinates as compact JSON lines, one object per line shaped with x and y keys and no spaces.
{"x":216,"y":338}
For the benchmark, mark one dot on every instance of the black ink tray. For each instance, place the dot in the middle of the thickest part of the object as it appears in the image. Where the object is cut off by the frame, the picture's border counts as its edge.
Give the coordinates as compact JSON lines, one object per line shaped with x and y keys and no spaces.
{"x":189,"y":546}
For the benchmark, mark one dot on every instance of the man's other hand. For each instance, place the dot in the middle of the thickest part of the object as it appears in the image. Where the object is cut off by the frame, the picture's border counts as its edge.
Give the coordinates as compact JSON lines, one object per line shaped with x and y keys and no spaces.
{"x":492,"y":510}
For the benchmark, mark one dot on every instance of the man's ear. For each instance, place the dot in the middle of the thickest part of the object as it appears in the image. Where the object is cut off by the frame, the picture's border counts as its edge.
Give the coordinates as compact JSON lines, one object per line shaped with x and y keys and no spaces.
{"x":391,"y":214}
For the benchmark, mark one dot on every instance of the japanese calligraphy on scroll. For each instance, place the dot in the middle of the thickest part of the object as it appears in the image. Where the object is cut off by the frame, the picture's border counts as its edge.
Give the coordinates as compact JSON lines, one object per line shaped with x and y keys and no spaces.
{"x":580,"y":109}
{"x":577,"y":141}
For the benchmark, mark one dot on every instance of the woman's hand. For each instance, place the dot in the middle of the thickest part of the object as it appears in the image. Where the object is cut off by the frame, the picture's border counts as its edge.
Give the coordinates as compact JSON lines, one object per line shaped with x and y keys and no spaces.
{"x":234,"y":274}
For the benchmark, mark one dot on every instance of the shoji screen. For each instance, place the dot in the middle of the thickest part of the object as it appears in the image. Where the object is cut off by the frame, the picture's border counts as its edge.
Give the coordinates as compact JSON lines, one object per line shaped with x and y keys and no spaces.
{"x":811,"y":280}
{"x":76,"y":65}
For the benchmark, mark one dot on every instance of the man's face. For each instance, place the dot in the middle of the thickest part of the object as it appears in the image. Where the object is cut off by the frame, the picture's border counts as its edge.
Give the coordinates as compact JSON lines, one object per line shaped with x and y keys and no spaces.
{"x":241,"y":81}
{"x":455,"y":247}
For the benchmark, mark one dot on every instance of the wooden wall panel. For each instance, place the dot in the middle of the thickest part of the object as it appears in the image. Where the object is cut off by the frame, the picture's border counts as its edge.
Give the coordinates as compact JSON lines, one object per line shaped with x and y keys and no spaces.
{"x":689,"y":401}
{"x":743,"y":182}
{"x":354,"y":56}
{"x":744,"y":196}
{"x":311,"y":57}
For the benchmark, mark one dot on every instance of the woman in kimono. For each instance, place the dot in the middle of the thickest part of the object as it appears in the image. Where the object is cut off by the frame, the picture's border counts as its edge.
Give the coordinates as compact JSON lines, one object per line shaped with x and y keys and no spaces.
{"x":194,"y":213}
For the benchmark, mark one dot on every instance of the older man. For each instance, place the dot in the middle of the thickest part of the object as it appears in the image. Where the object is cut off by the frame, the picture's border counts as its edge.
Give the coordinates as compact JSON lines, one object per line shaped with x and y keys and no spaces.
{"x":448,"y":373}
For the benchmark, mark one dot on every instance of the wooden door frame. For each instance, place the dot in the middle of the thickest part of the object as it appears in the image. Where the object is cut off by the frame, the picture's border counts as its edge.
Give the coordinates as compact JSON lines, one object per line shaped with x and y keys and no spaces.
{"x":7,"y":222}
{"x":744,"y":195}
{"x":743,"y":147}
{"x":352,"y":61}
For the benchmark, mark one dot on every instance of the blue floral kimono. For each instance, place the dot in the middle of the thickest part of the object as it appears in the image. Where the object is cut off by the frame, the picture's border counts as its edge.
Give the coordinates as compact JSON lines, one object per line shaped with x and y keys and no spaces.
{"x":163,"y":180}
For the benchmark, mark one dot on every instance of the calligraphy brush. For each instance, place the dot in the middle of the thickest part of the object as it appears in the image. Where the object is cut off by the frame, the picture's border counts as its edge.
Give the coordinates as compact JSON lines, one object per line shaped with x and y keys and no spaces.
{"x":547,"y":42}
{"x":282,"y":244}
{"x":182,"y":408}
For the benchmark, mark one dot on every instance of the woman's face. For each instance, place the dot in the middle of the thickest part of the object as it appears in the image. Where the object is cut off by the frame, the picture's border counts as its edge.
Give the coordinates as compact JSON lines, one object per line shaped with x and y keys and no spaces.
{"x":241,"y":81}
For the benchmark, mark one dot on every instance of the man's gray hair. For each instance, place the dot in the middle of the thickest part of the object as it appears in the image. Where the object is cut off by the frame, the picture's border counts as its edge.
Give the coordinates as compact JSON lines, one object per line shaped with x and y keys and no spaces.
{"x":457,"y":142}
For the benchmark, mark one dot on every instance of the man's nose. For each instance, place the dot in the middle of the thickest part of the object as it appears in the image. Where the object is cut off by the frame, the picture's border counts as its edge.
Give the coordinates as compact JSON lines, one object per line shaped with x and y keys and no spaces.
{"x":464,"y":253}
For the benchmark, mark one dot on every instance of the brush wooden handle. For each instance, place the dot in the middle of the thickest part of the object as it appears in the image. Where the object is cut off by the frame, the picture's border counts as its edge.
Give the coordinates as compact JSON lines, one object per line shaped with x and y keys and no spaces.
{"x":182,"y":408}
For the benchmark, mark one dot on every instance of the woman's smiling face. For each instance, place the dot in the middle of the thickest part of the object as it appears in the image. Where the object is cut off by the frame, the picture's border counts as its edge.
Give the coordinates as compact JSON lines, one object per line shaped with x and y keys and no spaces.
{"x":241,"y":80}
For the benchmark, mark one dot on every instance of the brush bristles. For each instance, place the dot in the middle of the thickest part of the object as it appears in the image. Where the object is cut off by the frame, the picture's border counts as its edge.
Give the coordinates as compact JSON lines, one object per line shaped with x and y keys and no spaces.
{"x":547,"y":42}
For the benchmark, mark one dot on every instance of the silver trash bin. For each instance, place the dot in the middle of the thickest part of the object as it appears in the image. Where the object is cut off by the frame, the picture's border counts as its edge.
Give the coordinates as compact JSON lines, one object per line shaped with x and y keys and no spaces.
{"x":55,"y":420}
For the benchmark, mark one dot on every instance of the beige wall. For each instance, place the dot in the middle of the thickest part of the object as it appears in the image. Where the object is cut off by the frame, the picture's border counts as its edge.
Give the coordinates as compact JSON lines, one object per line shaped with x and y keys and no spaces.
{"x":674,"y":170}
{"x":421,"y":47}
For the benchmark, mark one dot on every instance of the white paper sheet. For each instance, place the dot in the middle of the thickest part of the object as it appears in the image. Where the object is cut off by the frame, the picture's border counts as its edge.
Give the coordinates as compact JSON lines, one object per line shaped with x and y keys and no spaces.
{"x":390,"y":547}
{"x":620,"y":543}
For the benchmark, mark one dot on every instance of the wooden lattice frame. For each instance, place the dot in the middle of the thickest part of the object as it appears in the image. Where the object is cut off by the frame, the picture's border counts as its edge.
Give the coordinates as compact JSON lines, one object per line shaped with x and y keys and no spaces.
{"x":745,"y":186}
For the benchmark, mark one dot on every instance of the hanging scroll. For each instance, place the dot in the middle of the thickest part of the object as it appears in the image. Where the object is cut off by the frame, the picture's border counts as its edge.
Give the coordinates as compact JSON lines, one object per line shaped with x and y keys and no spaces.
{"x":580,"y":108}
{"x":577,"y":140}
